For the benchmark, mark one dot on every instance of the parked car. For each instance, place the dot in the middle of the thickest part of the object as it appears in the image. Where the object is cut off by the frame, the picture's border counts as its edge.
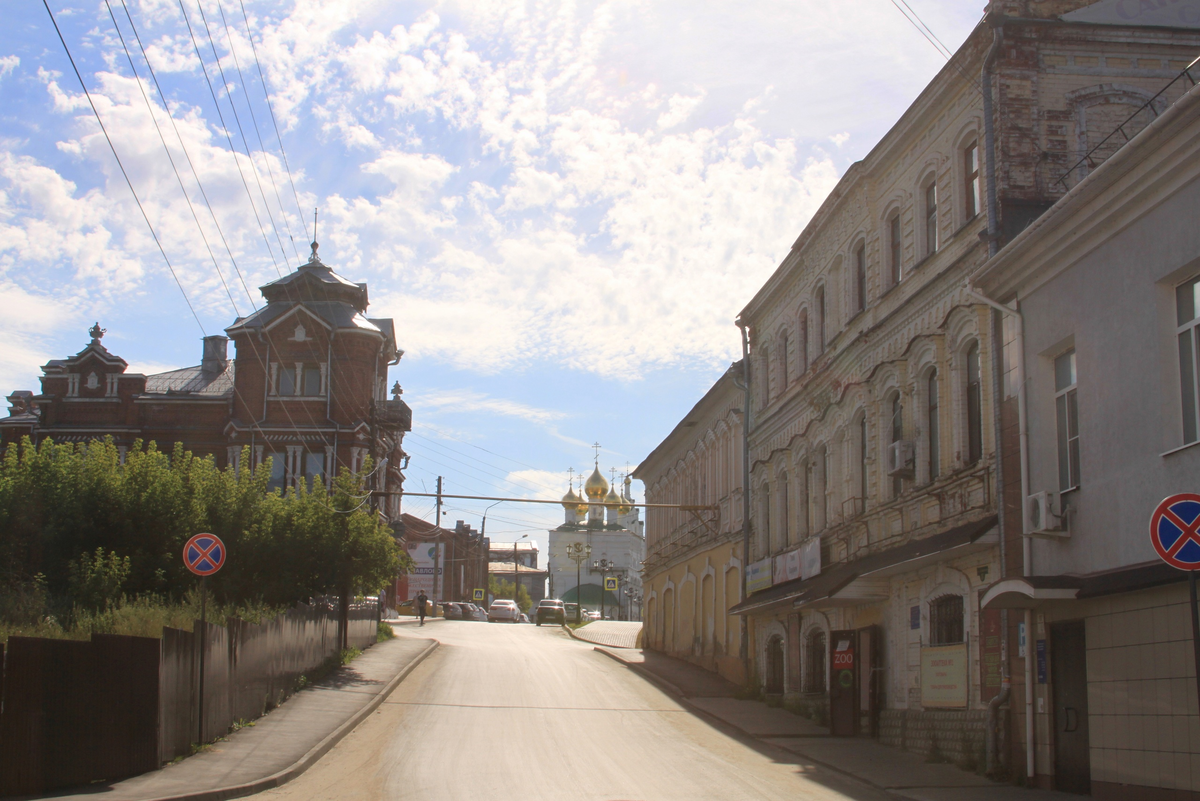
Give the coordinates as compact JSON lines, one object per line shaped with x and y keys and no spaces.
{"x":592,"y":614}
{"x":524,"y":618}
{"x":552,"y":610}
{"x":574,"y":613}
{"x":503,"y":610}
{"x":473,"y":612}
{"x":452,"y":611}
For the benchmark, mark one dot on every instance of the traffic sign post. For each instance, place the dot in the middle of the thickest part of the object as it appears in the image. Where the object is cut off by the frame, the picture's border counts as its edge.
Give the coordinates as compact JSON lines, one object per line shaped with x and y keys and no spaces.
{"x":1175,"y":535}
{"x":203,"y":554}
{"x":478,"y":595}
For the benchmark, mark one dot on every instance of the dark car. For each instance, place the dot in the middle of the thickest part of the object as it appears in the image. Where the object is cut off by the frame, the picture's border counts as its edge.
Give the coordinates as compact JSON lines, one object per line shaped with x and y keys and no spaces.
{"x":551,"y":610}
{"x":452,"y":611}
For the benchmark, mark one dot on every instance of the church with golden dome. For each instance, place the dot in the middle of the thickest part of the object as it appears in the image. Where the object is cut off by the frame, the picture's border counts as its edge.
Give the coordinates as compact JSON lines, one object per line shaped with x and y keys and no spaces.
{"x":602,"y":535}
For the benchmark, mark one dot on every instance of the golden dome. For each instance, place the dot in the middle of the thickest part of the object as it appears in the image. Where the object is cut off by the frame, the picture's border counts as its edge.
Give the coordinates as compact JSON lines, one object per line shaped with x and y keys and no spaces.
{"x":596,"y":486}
{"x":570,"y":501}
{"x":612,"y":500}
{"x":626,"y":505}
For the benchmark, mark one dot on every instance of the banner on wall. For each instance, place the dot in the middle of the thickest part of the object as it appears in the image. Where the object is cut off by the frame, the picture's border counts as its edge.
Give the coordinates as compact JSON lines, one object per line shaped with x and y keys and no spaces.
{"x":758,"y":575}
{"x":428,"y":559}
{"x":944,"y":676}
{"x":810,"y":558}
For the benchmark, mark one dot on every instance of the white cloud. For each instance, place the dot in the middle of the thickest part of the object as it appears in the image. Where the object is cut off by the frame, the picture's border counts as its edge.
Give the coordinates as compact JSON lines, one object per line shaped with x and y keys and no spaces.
{"x":840,"y":139}
{"x":461,"y":401}
{"x":8,"y":64}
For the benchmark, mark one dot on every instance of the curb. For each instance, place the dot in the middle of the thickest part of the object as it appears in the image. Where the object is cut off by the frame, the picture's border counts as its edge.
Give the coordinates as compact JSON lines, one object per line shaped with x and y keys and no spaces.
{"x":574,"y":636}
{"x":646,"y":674}
{"x":315,"y":753}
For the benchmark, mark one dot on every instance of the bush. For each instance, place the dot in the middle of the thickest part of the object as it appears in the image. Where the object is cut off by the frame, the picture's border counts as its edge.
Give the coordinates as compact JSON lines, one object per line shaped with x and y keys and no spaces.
{"x":385,"y":632}
{"x":95,"y":581}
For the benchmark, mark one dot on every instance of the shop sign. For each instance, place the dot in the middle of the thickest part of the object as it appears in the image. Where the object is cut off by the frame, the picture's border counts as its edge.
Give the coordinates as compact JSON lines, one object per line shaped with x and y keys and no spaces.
{"x":989,"y":653}
{"x":758,"y":575}
{"x":787,"y":566}
{"x":944,"y":676}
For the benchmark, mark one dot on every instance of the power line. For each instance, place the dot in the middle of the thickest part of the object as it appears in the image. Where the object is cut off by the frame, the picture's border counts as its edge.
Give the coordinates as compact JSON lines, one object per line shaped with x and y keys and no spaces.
{"x":254,"y":120}
{"x":241,"y":132}
{"x":187,"y":155}
{"x":225,"y":129}
{"x":128,"y":182}
{"x":270,"y":108}
{"x":923,"y":29}
{"x":170,"y":158}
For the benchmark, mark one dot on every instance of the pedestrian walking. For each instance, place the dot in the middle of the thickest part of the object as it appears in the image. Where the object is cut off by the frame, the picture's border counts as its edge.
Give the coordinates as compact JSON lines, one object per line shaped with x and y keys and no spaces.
{"x":422,"y":598}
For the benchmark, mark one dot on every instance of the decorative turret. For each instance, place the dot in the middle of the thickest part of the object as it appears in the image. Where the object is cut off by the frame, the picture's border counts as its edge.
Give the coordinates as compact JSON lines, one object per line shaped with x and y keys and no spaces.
{"x":596,"y":486}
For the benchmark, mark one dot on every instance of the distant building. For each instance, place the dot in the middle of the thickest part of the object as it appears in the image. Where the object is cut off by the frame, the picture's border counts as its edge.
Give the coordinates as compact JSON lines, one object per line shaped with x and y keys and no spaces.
{"x":307,"y":387}
{"x":500,"y":556}
{"x":605,"y":528}
{"x":450,"y":564}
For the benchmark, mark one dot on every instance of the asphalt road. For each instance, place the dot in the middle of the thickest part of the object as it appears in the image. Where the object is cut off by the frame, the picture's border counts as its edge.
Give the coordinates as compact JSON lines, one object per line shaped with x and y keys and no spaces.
{"x":504,"y":712}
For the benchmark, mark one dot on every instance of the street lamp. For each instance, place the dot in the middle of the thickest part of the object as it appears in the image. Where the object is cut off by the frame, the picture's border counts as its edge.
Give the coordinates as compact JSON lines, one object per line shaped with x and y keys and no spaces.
{"x":578,"y":553}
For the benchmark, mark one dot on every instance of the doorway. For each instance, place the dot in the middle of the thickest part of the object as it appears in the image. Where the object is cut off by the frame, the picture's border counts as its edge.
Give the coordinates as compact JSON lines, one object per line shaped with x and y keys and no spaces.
{"x":843,"y":684}
{"x":775,"y":665}
{"x":1068,"y":672}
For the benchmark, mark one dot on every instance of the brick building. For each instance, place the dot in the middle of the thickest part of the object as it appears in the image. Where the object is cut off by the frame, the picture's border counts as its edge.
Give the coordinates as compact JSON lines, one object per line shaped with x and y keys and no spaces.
{"x":306,"y":388}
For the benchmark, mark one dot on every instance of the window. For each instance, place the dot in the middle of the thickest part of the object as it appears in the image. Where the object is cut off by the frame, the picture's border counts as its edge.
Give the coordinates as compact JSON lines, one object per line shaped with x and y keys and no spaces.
{"x":766,"y":376}
{"x":931,"y":221}
{"x":826,"y":483}
{"x":806,"y":497}
{"x":1187,"y":308}
{"x":783,"y":361}
{"x":974,"y":409}
{"x":802,"y":345}
{"x":862,"y":462}
{"x":1067,"y":409}
{"x":287,"y":380}
{"x":785,"y":534}
{"x":897,"y":435}
{"x":860,"y":278}
{"x":946,"y":620}
{"x":312,"y":380}
{"x":314,"y":468}
{"x":278,"y":478}
{"x":819,"y":302}
{"x":814,"y":662}
{"x":765,"y":540}
{"x":971,"y":179}
{"x":894,"y":248}
{"x":934,"y":438}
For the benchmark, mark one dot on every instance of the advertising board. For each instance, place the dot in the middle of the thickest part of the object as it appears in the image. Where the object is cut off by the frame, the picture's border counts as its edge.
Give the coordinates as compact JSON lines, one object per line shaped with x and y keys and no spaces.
{"x":944,"y":676}
{"x":428,"y":559}
{"x":758,"y":575}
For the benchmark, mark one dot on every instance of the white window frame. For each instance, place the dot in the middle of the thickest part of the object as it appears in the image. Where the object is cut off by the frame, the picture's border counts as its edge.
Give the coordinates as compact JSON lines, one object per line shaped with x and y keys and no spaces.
{"x":1189,"y":376}
{"x":1066,"y":407}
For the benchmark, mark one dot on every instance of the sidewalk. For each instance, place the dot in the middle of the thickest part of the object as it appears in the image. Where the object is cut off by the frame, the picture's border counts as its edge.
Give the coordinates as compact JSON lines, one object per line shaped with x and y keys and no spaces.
{"x":283,"y":744}
{"x":900,"y":773}
{"x":613,"y":633}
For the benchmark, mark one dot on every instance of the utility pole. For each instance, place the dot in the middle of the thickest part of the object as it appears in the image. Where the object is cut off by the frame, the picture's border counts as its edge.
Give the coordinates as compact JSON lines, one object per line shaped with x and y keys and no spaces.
{"x":437,"y":548}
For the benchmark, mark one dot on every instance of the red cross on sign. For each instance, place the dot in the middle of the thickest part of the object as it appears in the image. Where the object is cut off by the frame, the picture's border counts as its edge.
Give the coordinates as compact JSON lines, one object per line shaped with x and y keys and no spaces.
{"x":1175,"y":530}
{"x":204,"y":554}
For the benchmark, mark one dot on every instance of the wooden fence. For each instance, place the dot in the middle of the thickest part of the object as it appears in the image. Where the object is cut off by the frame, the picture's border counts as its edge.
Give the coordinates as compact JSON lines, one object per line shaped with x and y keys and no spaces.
{"x":78,"y":711}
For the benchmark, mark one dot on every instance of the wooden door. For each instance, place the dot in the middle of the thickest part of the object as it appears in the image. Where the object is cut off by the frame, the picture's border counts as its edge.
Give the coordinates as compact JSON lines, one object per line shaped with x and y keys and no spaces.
{"x":843,"y":684}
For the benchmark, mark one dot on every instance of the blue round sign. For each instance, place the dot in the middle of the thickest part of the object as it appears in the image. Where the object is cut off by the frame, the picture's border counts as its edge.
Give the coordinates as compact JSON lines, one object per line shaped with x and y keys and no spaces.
{"x":204,"y":554}
{"x":1175,"y":530}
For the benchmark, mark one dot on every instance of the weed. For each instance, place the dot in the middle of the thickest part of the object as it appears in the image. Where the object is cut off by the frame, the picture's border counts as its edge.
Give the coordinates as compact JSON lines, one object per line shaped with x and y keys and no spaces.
{"x":384,"y":632}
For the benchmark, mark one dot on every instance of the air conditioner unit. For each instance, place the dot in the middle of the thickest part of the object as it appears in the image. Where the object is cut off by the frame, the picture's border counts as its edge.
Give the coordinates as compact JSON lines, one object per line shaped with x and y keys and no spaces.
{"x":1040,"y":519}
{"x":901,"y":459}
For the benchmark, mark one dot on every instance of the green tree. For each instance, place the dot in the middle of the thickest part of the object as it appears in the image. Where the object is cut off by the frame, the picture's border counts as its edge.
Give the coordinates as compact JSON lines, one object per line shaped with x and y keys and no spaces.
{"x":499,"y":588}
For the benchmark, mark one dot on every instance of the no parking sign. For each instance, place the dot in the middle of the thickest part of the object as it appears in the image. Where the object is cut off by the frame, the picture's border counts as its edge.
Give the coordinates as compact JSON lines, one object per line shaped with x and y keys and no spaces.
{"x":1174,"y":530}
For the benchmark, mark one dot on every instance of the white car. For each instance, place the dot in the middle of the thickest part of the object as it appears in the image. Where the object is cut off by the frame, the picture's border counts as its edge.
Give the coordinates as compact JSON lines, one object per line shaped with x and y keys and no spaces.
{"x":504,"y":610}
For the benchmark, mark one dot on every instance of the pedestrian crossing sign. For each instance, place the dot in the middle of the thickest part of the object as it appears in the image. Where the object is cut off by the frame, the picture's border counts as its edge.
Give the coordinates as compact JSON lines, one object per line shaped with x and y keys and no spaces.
{"x":610,"y":582}
{"x":478,"y":595}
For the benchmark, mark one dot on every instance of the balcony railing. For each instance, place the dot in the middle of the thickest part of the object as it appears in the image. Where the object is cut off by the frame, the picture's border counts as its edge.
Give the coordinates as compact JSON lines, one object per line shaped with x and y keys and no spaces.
{"x":393,"y":414}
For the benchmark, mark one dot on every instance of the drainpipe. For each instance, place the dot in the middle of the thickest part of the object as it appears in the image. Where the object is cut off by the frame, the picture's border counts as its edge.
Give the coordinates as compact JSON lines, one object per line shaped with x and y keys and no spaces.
{"x":744,"y":650}
{"x":989,"y":135}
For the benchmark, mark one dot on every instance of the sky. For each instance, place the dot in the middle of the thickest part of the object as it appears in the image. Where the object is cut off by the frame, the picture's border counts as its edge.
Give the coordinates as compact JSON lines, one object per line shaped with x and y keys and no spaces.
{"x":563,"y":205}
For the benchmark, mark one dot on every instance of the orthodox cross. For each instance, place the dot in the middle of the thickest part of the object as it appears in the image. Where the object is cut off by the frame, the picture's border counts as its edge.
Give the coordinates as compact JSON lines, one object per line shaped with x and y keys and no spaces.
{"x":596,"y":448}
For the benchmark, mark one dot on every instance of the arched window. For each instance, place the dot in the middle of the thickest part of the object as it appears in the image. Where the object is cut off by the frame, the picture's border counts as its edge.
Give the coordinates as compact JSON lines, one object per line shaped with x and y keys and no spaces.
{"x":814,"y":662}
{"x":974,"y":406}
{"x":802,"y":343}
{"x":894,"y":249}
{"x":775,"y":665}
{"x":862,"y":462}
{"x":946,"y":620}
{"x":783,"y":362}
{"x":860,"y":277}
{"x":785,"y":527}
{"x":971,"y":184}
{"x":897,"y":409}
{"x":766,"y":376}
{"x":934,"y":427}
{"x":931,"y":217}
{"x":819,"y":305}
{"x":765,"y":537}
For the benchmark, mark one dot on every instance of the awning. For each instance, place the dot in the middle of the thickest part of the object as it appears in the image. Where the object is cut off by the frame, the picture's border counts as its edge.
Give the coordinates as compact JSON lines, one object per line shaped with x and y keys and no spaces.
{"x":860,"y":581}
{"x":1033,"y":591}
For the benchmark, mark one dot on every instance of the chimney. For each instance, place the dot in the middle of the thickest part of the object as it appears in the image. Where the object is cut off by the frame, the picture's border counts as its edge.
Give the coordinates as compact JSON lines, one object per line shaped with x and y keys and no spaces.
{"x":215,"y":359}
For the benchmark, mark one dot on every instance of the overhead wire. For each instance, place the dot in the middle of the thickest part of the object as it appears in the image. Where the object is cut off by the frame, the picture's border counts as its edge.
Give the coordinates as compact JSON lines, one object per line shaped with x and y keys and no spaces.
{"x":153,"y":118}
{"x":275,"y":122}
{"x":525,"y":485}
{"x":124,"y":174}
{"x":228,"y":138}
{"x":253,"y":119}
{"x":241,"y":132}
{"x":187,"y":155}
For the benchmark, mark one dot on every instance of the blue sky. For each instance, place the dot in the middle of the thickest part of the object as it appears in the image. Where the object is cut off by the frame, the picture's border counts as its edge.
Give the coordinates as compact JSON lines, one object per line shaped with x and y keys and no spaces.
{"x":563,"y":205}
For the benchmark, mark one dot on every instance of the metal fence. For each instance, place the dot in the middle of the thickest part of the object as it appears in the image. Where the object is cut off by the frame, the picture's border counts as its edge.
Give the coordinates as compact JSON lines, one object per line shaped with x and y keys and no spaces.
{"x":75,"y":712}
